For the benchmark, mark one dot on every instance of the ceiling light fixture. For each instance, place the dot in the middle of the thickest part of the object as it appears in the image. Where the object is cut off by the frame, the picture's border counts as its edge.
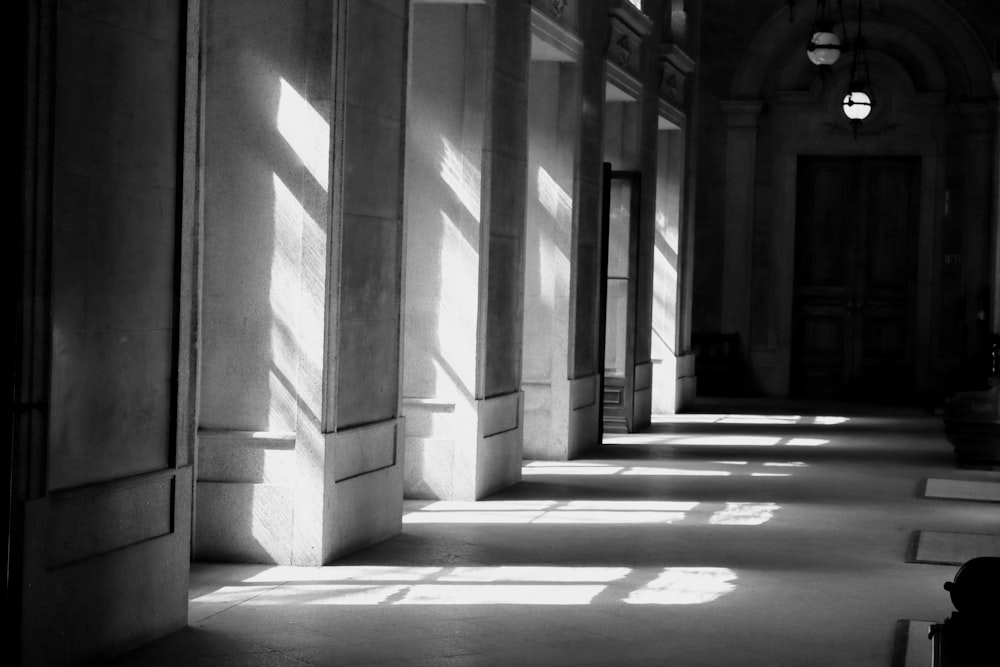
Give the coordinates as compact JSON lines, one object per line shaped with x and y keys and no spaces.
{"x":860,"y":98}
{"x":824,"y":45}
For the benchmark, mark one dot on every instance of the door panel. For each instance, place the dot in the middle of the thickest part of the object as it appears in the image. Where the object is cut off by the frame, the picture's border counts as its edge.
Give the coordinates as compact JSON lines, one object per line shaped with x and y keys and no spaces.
{"x":824,"y":241}
{"x":855,"y":278}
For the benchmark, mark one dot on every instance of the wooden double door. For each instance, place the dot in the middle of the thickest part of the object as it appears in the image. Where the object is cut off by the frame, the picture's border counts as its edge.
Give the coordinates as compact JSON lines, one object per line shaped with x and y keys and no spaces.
{"x":855,"y":278}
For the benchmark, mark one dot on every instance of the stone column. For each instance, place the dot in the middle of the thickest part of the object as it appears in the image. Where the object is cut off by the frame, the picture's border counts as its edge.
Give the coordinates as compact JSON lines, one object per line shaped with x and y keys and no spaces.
{"x":552,"y":209}
{"x":466,"y":175}
{"x":737,"y":263}
{"x":501,"y":311}
{"x":298,"y":451}
{"x":586,"y":286}
{"x":362,"y":426}
{"x":673,"y":376}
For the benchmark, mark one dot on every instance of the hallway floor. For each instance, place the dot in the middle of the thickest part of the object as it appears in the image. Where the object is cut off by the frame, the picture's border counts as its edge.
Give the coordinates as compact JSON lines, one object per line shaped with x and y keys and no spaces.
{"x":775,"y":538}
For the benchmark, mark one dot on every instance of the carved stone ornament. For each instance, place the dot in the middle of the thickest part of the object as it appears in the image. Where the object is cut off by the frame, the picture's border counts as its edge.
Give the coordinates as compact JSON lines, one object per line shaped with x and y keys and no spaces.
{"x":558,"y":7}
{"x":623,"y":49}
{"x":672,"y":85}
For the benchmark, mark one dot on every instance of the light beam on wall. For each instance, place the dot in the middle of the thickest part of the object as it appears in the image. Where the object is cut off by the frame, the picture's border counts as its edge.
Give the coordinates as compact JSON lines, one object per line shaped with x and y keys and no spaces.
{"x":456,"y":303}
{"x":553,"y":198}
{"x":306,"y":131}
{"x":463,"y":177}
{"x":289,"y":305}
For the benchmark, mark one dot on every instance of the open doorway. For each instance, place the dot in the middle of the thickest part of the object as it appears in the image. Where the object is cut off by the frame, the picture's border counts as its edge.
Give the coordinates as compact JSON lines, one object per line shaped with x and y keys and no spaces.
{"x":619,"y":269}
{"x":621,"y":222}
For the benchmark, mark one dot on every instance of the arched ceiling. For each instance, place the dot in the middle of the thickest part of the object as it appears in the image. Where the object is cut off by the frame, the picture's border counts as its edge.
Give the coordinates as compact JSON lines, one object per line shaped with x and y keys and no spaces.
{"x":929,"y":40}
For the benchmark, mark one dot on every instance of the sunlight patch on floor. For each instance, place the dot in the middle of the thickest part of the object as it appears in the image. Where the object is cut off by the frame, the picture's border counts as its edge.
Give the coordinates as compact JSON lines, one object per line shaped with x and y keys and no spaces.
{"x":750,"y":419}
{"x":807,"y":442}
{"x":535,"y":468}
{"x":729,"y":440}
{"x":551,"y":512}
{"x":477,"y":585}
{"x":744,"y":514}
{"x":685,"y":585}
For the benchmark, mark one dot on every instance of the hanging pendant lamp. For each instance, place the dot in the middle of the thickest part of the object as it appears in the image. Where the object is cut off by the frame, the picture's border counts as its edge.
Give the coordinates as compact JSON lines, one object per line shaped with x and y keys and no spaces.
{"x":824,"y":45}
{"x":860,"y":98}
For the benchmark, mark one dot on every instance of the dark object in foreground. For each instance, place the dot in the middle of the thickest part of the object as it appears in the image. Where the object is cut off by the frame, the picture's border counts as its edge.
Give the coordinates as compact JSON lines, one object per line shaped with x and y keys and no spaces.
{"x":970,"y":637}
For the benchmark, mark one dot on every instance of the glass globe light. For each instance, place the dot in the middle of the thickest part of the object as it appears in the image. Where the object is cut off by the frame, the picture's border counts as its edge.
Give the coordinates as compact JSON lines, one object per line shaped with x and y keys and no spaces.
{"x":824,"y":48}
{"x":857,"y":105}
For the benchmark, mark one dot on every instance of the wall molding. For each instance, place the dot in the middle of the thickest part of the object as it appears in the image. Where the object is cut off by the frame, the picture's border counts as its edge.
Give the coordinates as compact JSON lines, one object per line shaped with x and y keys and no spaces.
{"x":95,"y":519}
{"x":566,"y":45}
{"x":366,"y":449}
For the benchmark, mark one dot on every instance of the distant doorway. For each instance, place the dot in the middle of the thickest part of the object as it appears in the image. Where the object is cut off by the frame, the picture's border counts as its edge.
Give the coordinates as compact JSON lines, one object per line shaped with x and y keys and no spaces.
{"x":620,"y":220}
{"x":855,"y":278}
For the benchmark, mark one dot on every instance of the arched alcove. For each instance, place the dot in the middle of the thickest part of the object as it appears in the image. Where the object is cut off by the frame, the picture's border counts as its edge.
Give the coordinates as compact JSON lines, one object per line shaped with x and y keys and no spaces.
{"x":935,"y":106}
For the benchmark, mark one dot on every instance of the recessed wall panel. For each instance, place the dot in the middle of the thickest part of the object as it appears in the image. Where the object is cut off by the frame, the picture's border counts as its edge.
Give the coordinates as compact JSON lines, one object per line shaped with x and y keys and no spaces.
{"x":113,"y":276}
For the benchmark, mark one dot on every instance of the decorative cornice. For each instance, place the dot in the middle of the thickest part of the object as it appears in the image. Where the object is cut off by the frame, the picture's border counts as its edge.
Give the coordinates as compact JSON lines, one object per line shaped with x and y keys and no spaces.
{"x":623,"y":50}
{"x":624,"y":80}
{"x":672,"y":83}
{"x":670,"y":113}
{"x":631,"y":16}
{"x":557,"y":35}
{"x":624,"y":44}
{"x":676,"y":56}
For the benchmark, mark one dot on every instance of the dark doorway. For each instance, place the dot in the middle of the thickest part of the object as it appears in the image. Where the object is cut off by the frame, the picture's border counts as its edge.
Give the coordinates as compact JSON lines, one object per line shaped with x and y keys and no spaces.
{"x":855,"y":278}
{"x":620,"y":222}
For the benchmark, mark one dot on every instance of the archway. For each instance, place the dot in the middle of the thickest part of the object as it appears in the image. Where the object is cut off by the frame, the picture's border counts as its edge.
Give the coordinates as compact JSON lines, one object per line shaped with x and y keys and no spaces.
{"x":937,"y":103}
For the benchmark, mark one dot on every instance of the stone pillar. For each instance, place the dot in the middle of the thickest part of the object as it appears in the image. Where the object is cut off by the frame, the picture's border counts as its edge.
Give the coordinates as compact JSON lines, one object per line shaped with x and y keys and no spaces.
{"x":362,"y":426}
{"x":501,"y":312}
{"x":553,"y":134}
{"x":673,"y":376}
{"x":667,"y":269}
{"x":586,"y":286}
{"x":466,"y":177}
{"x":99,"y":471}
{"x":737,"y":262}
{"x":299,"y":460}
{"x":650,"y":72}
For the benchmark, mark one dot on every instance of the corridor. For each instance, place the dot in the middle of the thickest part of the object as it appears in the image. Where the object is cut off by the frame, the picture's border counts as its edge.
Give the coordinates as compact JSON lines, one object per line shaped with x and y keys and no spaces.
{"x":776,"y":537}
